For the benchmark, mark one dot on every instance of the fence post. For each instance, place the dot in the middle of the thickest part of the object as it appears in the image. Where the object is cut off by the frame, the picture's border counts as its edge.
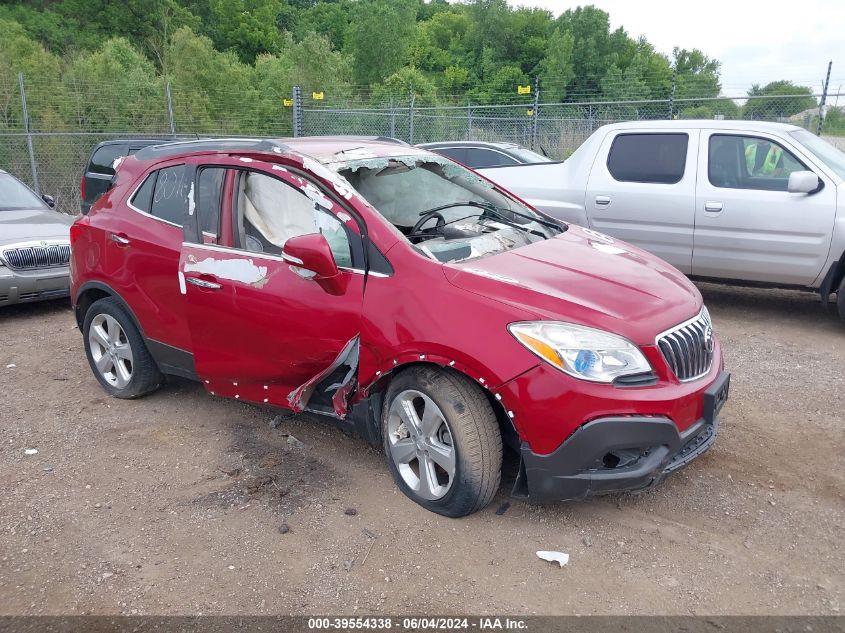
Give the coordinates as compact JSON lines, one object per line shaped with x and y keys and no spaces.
{"x":469,"y":120}
{"x":411,"y":97}
{"x":170,"y":109}
{"x":823,"y":99}
{"x":535,"y":113}
{"x":672,"y":94}
{"x":297,"y":111}
{"x":32,"y":164}
{"x":392,"y":119}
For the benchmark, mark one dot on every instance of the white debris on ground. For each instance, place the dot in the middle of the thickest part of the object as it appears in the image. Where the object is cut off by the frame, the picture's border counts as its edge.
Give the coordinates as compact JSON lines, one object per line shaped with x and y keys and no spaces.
{"x":554,"y":557}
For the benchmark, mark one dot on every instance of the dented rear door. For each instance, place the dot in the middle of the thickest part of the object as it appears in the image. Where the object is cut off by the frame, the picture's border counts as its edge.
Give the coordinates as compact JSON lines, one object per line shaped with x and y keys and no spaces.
{"x":262,"y":330}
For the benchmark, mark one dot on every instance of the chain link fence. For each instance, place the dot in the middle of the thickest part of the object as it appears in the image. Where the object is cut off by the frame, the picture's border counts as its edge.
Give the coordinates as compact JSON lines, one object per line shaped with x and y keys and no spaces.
{"x":47,"y":135}
{"x":554,"y":128}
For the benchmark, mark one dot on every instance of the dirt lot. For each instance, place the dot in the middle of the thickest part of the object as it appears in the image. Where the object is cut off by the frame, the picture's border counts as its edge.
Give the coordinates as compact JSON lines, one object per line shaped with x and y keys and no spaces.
{"x":173,"y":504}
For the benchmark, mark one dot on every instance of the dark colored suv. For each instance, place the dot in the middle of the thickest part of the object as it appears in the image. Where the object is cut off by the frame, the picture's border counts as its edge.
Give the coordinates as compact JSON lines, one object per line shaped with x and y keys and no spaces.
{"x":406,"y":297}
{"x":100,"y":169}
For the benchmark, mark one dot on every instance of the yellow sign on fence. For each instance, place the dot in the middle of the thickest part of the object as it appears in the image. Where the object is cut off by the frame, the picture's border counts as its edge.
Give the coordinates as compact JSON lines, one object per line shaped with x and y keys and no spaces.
{"x":317,"y":96}
{"x":523,"y":90}
{"x":288,"y":103}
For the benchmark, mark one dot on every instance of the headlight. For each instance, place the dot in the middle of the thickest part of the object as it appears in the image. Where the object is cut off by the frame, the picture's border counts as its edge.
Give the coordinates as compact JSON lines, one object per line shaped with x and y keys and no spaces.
{"x":581,"y":352}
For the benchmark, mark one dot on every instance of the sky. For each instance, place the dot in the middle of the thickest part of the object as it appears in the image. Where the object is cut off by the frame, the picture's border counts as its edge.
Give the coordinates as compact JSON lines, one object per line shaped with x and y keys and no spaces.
{"x":757,"y":42}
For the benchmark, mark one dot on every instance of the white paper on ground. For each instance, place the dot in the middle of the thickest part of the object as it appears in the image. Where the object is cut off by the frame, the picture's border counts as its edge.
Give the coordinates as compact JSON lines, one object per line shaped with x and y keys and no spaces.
{"x":554,"y":557}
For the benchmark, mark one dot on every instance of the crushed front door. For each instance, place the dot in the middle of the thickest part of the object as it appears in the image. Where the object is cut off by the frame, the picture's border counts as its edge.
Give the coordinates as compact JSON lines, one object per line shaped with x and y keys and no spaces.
{"x":262,"y":330}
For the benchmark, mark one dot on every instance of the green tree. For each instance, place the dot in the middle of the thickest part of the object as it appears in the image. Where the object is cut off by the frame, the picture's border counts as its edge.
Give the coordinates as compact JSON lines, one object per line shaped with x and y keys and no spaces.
{"x":147,"y":23}
{"x":379,"y":37}
{"x":326,"y":18}
{"x":400,"y":84}
{"x":778,"y":99}
{"x":41,"y":69}
{"x":114,"y":89}
{"x":556,"y":69}
{"x":697,"y":74}
{"x":592,"y":47}
{"x":247,"y":27}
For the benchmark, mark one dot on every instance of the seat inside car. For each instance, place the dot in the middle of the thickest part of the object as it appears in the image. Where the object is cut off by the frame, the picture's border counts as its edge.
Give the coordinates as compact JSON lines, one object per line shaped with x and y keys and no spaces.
{"x":724,"y":162}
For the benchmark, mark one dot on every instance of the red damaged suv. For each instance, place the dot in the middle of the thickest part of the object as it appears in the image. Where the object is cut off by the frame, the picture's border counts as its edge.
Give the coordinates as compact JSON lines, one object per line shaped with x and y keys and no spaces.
{"x":408,"y":298}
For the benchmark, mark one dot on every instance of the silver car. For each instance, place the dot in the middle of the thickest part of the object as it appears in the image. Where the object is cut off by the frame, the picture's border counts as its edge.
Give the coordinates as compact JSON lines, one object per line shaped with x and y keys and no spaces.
{"x":34,"y":245}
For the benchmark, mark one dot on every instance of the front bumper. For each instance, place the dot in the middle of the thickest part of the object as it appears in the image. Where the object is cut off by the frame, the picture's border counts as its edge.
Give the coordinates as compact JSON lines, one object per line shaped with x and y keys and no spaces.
{"x":616,"y":454}
{"x":36,"y":285}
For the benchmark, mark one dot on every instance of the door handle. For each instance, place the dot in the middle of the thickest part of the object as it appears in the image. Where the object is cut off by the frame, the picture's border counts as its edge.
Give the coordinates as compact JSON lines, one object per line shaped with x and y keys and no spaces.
{"x":120,"y":240}
{"x":603,"y":200}
{"x":712,"y":207}
{"x":203,"y":283}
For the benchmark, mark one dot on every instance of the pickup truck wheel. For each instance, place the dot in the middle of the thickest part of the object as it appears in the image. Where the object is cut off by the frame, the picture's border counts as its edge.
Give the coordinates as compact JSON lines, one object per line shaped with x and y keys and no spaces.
{"x":442,"y":441}
{"x":840,"y":300}
{"x":116,"y":351}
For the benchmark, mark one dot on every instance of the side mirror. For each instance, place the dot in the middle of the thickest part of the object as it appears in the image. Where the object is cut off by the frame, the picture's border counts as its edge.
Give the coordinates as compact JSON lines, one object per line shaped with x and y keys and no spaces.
{"x":803,"y":182}
{"x":50,"y":200}
{"x":310,"y":253}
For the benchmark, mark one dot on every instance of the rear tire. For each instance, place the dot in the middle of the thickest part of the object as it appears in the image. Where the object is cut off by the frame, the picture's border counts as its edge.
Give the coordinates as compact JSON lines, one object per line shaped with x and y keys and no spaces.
{"x":442,"y":441}
{"x":116,"y":351}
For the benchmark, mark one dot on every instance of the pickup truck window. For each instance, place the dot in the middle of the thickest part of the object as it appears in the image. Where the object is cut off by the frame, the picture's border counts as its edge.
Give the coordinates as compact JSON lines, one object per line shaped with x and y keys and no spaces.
{"x":654,"y":158}
{"x":750,"y":162}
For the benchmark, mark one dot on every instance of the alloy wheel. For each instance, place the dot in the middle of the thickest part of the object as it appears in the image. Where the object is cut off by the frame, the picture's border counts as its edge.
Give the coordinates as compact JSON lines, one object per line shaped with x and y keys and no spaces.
{"x":110,"y":350}
{"x":421,"y":444}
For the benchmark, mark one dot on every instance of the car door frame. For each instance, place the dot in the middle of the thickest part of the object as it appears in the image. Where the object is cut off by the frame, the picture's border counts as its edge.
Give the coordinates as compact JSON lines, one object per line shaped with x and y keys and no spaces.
{"x":261,"y":386}
{"x":676,"y":250}
{"x":707,"y":247}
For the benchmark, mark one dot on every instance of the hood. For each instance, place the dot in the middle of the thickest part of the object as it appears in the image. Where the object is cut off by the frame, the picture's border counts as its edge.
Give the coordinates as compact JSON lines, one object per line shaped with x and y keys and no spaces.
{"x":33,"y":224}
{"x":585,"y":277}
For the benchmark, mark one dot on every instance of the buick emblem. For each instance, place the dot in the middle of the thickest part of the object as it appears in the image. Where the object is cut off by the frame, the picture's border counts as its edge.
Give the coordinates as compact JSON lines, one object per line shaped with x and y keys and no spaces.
{"x":708,"y":339}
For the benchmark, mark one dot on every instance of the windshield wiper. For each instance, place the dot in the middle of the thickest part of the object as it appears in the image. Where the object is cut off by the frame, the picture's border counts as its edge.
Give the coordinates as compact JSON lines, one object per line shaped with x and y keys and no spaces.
{"x":501,"y":213}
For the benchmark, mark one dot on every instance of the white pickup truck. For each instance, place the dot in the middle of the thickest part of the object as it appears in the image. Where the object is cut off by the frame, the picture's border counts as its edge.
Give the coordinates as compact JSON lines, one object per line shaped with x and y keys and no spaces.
{"x":730,"y":200}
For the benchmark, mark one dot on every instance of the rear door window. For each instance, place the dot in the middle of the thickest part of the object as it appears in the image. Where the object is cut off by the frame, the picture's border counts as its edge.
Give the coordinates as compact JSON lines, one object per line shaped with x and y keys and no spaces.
{"x":651,"y":158}
{"x":143,"y":198}
{"x":170,"y":196}
{"x":209,"y":197}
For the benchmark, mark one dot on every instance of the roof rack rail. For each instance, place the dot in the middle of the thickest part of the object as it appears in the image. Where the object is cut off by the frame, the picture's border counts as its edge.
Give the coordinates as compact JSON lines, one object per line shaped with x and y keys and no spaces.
{"x":209,"y":145}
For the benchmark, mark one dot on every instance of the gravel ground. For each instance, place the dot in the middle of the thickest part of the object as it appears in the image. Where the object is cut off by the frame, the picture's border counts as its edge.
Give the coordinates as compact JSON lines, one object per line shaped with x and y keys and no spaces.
{"x":182,"y":503}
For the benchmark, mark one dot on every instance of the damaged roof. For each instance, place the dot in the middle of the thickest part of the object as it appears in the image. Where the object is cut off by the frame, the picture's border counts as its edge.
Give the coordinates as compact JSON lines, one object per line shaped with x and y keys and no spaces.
{"x":324,"y":149}
{"x":333,"y":149}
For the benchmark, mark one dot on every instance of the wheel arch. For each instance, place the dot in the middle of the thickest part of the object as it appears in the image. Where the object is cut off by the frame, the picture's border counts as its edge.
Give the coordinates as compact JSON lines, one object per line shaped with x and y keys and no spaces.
{"x":93,"y":291}
{"x":832,"y":279}
{"x":374,"y":392}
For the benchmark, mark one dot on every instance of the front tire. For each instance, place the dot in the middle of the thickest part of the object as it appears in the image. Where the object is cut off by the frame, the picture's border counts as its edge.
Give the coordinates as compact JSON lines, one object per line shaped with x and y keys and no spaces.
{"x":442,"y":441}
{"x":116,"y":351}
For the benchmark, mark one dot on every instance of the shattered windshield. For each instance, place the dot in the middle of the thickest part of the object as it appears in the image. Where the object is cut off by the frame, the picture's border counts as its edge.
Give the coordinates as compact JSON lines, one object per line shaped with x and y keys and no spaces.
{"x":445,"y":210}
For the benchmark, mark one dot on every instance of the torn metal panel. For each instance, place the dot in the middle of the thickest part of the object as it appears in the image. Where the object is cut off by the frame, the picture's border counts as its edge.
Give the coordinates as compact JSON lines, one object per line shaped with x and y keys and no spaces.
{"x":299,"y":398}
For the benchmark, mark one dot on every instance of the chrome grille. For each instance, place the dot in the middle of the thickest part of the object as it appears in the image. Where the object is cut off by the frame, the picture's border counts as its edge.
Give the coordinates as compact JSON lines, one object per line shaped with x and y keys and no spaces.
{"x":31,"y":257}
{"x":688,"y":347}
